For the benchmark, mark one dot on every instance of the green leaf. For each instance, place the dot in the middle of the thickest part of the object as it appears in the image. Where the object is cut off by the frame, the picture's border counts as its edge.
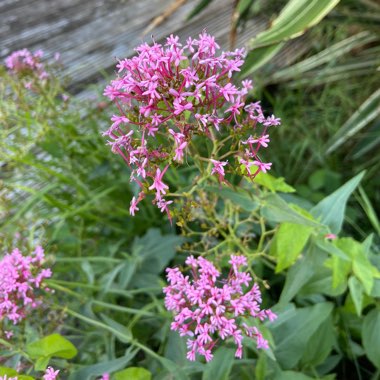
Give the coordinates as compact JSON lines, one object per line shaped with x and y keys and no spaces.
{"x":325,"y":56}
{"x":133,"y":373}
{"x":220,"y":366}
{"x":41,"y":363}
{"x":323,"y":338}
{"x":152,"y":254}
{"x":121,"y":332}
{"x":356,"y":292}
{"x":361,"y":266}
{"x":52,"y":345}
{"x":258,"y":57}
{"x":288,"y":243}
{"x":10,"y":372}
{"x":295,"y":18}
{"x":371,"y":336}
{"x":369,"y":209}
{"x":330,"y":211}
{"x":322,"y":283}
{"x":244,"y":5}
{"x":340,"y":270}
{"x":88,"y":372}
{"x":261,"y":367}
{"x":297,"y":276}
{"x":238,"y":196}
{"x":366,"y":113}
{"x":156,"y":248}
{"x":364,"y":271}
{"x":174,"y":371}
{"x":275,"y":209}
{"x":198,"y":8}
{"x":272,"y":183}
{"x":330,"y":248}
{"x":176,"y":348}
{"x":292,"y":375}
{"x":293,"y":332}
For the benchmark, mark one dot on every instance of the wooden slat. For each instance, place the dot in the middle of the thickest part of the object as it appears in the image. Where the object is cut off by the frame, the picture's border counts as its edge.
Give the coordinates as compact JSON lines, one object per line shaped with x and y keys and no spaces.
{"x":92,"y":34}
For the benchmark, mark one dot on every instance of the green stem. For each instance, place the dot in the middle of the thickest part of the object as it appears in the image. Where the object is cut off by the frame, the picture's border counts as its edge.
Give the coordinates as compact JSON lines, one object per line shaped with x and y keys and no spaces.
{"x":89,"y":258}
{"x":87,"y":286}
{"x":52,"y":285}
{"x":95,"y":323}
{"x":123,"y":309}
{"x":103,"y":326}
{"x":263,"y":234}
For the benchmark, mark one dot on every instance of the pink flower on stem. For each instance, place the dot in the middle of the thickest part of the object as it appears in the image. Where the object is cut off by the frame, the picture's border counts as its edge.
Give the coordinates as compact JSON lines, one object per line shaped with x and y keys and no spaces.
{"x":218,"y":169}
{"x":208,"y":309}
{"x":263,"y":141}
{"x":263,"y":167}
{"x":158,"y":185}
{"x":50,"y":374}
{"x":133,"y":207}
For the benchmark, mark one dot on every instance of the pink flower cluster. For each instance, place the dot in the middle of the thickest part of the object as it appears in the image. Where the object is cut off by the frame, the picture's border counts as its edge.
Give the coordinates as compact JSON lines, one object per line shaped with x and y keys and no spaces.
{"x":25,"y":62}
{"x":50,"y":374}
{"x":167,"y":95}
{"x":208,"y":313}
{"x":19,"y":277}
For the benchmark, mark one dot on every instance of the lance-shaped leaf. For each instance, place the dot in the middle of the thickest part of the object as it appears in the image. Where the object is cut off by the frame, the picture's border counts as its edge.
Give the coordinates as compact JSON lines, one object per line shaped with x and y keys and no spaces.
{"x":366,"y":113}
{"x":296,"y":17}
{"x":330,"y":210}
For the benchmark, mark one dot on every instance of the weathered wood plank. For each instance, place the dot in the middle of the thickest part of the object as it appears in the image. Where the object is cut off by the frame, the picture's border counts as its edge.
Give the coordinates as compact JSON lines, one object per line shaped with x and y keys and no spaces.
{"x":92,"y":34}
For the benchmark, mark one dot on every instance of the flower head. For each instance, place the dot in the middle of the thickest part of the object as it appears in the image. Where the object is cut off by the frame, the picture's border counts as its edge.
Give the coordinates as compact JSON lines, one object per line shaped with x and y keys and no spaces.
{"x":169,"y":94}
{"x":25,"y":62}
{"x":20,"y":277}
{"x":208,"y":309}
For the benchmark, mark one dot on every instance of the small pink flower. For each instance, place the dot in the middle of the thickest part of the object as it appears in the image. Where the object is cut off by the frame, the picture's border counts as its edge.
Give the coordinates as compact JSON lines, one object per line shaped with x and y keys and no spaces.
{"x":263,"y":141}
{"x":179,"y":151}
{"x":264,"y":167}
{"x":50,"y":374}
{"x":158,"y":184}
{"x":163,"y":205}
{"x":219,"y":169}
{"x":330,"y":236}
{"x":133,"y":208}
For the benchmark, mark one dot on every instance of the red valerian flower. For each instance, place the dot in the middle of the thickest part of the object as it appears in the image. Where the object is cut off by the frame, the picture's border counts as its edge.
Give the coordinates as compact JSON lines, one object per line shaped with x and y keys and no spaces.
{"x":208,"y":309}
